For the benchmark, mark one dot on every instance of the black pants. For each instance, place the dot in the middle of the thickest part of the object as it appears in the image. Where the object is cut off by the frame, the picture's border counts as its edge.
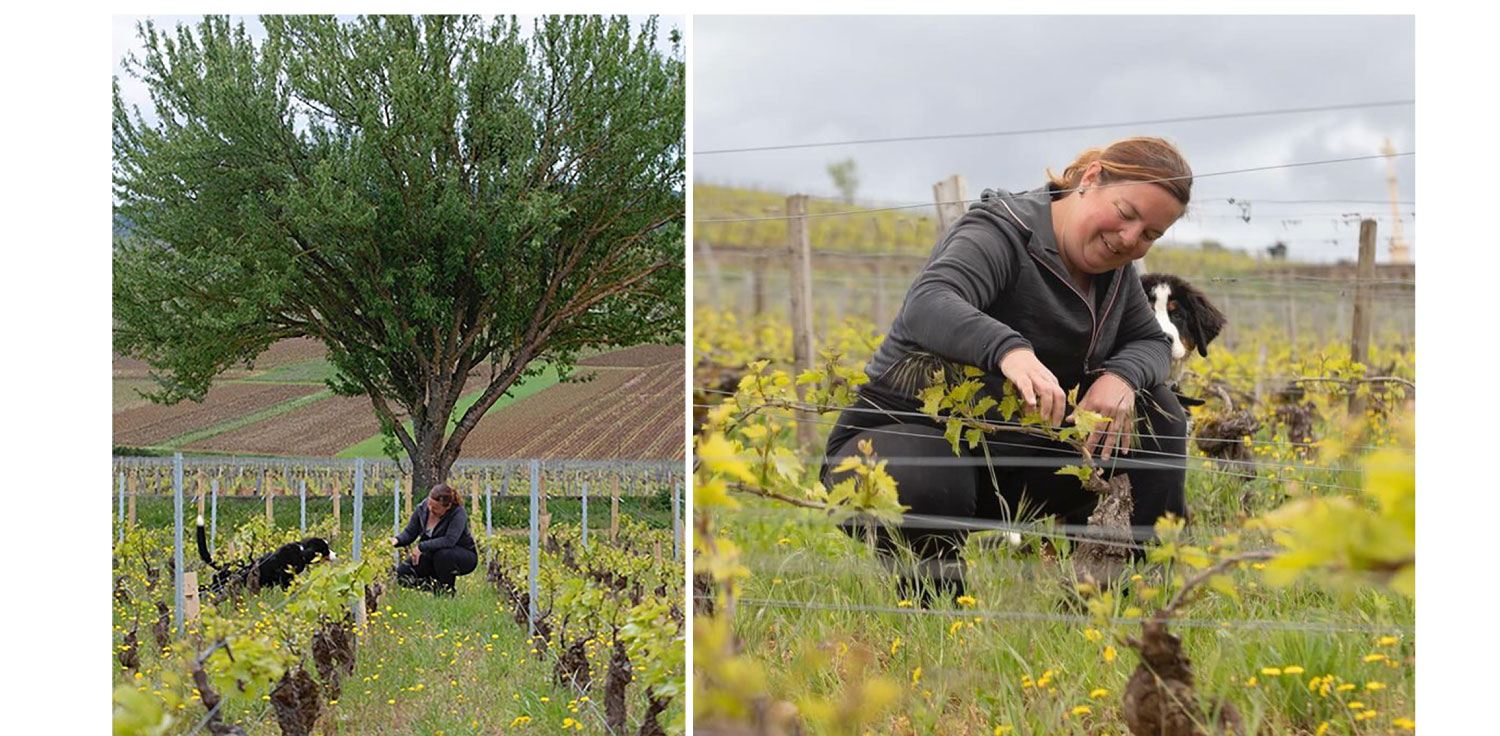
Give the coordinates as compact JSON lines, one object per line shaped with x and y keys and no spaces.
{"x":935,"y":482}
{"x":438,"y":568}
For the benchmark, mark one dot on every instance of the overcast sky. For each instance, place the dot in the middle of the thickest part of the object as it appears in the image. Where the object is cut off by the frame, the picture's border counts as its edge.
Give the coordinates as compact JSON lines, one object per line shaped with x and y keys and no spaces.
{"x":765,"y":81}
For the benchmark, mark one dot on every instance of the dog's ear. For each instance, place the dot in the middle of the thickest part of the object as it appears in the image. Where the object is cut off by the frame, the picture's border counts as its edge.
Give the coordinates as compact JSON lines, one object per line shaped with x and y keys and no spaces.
{"x":1204,"y":320}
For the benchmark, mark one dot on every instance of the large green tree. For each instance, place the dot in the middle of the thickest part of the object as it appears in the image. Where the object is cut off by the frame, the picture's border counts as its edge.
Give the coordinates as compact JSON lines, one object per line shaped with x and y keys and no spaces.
{"x":436,"y":199}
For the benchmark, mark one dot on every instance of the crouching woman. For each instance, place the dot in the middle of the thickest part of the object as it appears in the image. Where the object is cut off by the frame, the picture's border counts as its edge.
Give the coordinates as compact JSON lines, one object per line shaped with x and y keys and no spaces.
{"x":444,"y":549}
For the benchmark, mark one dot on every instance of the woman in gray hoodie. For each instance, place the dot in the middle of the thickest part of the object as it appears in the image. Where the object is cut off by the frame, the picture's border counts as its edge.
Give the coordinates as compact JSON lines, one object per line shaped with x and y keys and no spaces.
{"x":1036,"y":288}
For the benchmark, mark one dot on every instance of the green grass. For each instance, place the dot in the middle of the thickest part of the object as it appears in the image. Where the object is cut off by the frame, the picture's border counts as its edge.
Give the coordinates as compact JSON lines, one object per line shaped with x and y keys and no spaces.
{"x":375,"y":446}
{"x":317,"y":370}
{"x":976,"y":661}
{"x":244,"y":420}
{"x":424,"y":665}
{"x":428,"y":665}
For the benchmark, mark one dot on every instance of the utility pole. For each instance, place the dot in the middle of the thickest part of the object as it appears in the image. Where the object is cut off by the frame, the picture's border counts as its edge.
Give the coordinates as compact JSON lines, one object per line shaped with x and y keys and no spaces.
{"x":1400,"y":252}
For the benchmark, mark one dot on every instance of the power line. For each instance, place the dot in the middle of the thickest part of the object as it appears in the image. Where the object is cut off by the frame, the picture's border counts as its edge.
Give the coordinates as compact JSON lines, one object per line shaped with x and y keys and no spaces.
{"x":1059,"y":129}
{"x":1253,"y":169}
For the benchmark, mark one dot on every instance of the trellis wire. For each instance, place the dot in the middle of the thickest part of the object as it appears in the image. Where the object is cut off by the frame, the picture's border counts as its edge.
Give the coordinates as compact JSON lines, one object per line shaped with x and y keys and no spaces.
{"x":1252,"y":169}
{"x":1058,"y":129}
{"x":815,"y":408}
{"x":1000,"y":614}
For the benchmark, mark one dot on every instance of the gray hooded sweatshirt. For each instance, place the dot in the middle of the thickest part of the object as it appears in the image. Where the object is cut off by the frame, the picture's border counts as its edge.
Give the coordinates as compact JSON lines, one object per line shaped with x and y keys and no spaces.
{"x":995,"y":282}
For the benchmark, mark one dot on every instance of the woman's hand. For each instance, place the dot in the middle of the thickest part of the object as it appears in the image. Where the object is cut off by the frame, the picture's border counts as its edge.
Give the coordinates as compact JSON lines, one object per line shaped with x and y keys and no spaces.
{"x":416,"y":555}
{"x":1038,"y":387}
{"x":395,"y":542}
{"x":1113,"y":397}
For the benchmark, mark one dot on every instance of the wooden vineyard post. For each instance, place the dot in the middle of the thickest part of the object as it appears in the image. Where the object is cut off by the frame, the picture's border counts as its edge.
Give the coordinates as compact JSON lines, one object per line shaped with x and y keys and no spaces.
{"x":799,"y":255}
{"x":270,"y":513}
{"x":584,"y":524}
{"x":950,"y":195}
{"x":544,"y":515}
{"x":302,"y":505}
{"x":135,"y":484}
{"x":406,"y":487}
{"x":758,"y":285}
{"x":337,"y":521}
{"x":1359,"y":339}
{"x":614,"y":506}
{"x":190,"y":596}
{"x":705,"y":256}
{"x":213,"y":515}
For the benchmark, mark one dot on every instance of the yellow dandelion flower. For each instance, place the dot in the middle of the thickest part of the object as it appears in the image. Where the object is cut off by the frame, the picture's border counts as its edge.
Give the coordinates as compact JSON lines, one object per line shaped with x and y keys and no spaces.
{"x":965,"y":600}
{"x":954,"y":627}
{"x":895,"y":645}
{"x":1386,"y":641}
{"x":1082,"y":710}
{"x":520,"y":721}
{"x":392,"y":701}
{"x":903,"y":604}
{"x":1092,"y":634}
{"x":1405,"y":723}
{"x":916,"y":676}
{"x":1097,"y":693}
{"x":1374,"y":657}
{"x":1270,"y":671}
{"x":1322,"y":729}
{"x":1367,"y":715}
{"x":1002,"y":730}
{"x":1292,"y":670}
{"x":1356,"y":705}
{"x":1250,"y":682}
{"x":1346,"y":687}
{"x":1109,"y":654}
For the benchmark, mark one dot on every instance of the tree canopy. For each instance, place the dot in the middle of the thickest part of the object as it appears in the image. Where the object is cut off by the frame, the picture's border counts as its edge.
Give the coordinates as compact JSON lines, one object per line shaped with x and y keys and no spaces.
{"x":433,"y":198}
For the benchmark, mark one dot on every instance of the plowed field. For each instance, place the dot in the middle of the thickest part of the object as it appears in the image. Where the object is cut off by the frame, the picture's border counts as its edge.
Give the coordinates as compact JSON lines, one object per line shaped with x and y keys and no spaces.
{"x":150,"y":424}
{"x":640,"y":356}
{"x":280,"y":353}
{"x":319,"y":429}
{"x":629,"y":414}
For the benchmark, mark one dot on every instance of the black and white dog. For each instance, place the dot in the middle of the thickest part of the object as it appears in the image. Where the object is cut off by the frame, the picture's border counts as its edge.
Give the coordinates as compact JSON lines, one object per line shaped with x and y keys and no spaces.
{"x":275,"y":568}
{"x":1185,"y":314}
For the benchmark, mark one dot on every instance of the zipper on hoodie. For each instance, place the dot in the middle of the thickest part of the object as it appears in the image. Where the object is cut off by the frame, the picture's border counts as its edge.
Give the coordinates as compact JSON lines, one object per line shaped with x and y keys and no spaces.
{"x":1095,"y":319}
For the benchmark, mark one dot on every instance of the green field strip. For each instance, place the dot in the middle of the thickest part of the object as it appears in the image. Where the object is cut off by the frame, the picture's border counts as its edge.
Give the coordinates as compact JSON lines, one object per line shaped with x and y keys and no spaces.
{"x":317,"y":370}
{"x":374,"y":447}
{"x":240,"y":421}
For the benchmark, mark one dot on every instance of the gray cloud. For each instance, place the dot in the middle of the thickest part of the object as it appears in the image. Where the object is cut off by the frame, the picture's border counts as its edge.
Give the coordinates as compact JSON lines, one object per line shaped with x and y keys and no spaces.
{"x":781,"y":80}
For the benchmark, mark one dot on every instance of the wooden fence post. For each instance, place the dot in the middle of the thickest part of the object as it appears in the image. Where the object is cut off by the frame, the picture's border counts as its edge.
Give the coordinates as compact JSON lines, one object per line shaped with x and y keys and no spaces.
{"x":705,"y":256}
{"x":799,"y":254}
{"x":951,"y":196}
{"x":614,"y":506}
{"x":135,"y":490}
{"x":337,"y":522}
{"x":270,"y":513}
{"x":1359,"y":338}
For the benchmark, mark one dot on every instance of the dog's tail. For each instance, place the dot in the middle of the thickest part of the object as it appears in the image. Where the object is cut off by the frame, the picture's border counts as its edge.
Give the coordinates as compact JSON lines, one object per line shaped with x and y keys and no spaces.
{"x":203,"y":545}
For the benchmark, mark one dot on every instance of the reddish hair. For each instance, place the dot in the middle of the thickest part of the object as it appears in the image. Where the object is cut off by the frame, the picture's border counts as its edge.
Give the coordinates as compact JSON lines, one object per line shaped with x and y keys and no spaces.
{"x":1133,"y":159}
{"x":444,"y":494}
